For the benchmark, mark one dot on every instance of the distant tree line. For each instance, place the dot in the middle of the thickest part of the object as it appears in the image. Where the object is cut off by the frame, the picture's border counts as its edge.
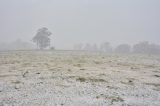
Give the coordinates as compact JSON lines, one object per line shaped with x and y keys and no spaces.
{"x":16,"y":45}
{"x":140,"y":48}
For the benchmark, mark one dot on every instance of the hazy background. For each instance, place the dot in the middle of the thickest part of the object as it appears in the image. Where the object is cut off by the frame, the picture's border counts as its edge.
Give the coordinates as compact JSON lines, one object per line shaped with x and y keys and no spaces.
{"x":81,"y":21}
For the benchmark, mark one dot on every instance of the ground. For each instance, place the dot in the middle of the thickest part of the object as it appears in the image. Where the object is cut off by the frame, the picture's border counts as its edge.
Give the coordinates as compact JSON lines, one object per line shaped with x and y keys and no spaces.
{"x":78,"y":78}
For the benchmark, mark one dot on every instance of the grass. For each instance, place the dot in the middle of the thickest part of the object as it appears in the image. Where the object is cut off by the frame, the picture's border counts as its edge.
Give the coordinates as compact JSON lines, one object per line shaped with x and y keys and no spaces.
{"x":115,"y":99}
{"x":157,"y":75}
{"x":82,"y":79}
{"x":82,"y":69}
{"x":78,"y":65}
{"x":9,"y":75}
{"x":111,"y":98}
{"x":69,"y":70}
{"x":16,"y":82}
{"x":153,"y":84}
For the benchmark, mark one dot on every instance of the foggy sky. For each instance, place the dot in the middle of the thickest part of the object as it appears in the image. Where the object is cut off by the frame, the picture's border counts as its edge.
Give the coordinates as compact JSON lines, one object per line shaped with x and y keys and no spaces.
{"x":81,"y":21}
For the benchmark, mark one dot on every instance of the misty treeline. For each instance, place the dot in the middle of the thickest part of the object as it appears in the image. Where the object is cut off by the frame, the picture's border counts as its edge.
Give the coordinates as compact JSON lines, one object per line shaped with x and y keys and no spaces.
{"x":41,"y":39}
{"x":140,"y":48}
{"x":16,"y":45}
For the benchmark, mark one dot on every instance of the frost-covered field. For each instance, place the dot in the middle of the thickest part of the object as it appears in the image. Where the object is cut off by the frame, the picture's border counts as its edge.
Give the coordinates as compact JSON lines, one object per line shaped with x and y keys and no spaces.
{"x":74,"y":78}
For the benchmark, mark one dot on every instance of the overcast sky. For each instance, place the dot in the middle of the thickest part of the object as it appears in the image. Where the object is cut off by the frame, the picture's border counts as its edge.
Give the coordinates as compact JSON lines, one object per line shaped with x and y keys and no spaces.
{"x":81,"y":21}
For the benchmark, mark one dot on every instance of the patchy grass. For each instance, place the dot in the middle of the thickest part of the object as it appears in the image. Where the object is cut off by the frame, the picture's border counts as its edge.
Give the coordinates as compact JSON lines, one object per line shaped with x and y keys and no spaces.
{"x":112,"y":99}
{"x":82,"y":69}
{"x":82,"y":79}
{"x":78,"y":65}
{"x":153,"y":84}
{"x":9,"y":75}
{"x":16,"y":82}
{"x":97,"y":80}
{"x":25,"y":73}
{"x":69,"y":70}
{"x":72,"y":77}
{"x":115,"y":99}
{"x":156,"y":75}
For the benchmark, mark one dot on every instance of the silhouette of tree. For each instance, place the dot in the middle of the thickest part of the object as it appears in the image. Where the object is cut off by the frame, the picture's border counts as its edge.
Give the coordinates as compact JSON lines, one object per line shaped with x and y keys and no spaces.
{"x":154,"y":49}
{"x":141,"y":47}
{"x":123,"y":48}
{"x":146,"y":48}
{"x":106,"y":47}
{"x":42,"y":38}
{"x":94,"y":47}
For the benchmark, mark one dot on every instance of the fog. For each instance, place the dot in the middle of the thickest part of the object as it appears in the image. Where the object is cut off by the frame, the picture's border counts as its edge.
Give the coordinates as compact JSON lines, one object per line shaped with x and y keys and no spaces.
{"x":81,"y":21}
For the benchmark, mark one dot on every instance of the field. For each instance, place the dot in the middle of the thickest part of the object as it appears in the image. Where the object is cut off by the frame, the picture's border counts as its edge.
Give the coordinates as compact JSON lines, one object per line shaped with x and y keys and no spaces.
{"x":78,"y":78}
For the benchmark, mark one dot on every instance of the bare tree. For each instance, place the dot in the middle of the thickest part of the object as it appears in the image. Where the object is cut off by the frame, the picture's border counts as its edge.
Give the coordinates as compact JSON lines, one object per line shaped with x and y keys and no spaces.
{"x":88,"y":47}
{"x":42,"y":38}
{"x":95,"y":47}
{"x":78,"y":46}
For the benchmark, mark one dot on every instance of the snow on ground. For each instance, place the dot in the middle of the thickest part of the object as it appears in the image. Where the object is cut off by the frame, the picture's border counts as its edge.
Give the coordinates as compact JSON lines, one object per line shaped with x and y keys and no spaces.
{"x":74,"y":78}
